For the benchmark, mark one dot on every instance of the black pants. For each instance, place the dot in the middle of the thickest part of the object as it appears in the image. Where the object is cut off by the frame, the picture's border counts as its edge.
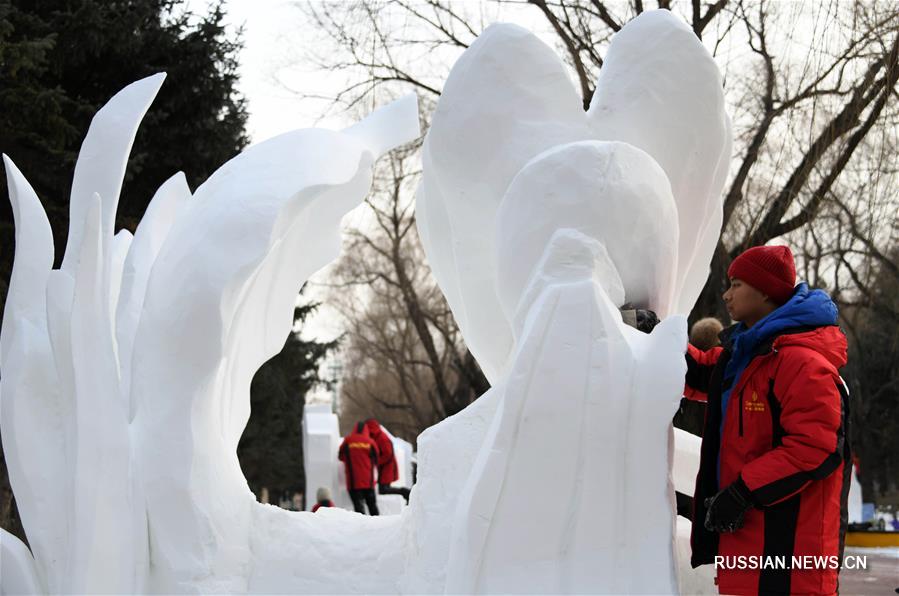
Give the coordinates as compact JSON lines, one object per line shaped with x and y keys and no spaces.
{"x":359,"y":495}
{"x":684,"y":505}
{"x":690,"y":416}
{"x":386,"y":489}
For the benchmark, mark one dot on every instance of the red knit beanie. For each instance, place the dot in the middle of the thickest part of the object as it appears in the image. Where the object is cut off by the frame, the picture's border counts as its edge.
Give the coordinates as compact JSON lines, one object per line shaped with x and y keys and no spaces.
{"x":768,"y":269}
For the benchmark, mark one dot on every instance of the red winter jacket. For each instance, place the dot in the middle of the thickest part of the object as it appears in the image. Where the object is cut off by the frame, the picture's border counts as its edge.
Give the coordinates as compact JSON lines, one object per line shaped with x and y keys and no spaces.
{"x":785,"y":434}
{"x":359,"y":455}
{"x":388,"y":471}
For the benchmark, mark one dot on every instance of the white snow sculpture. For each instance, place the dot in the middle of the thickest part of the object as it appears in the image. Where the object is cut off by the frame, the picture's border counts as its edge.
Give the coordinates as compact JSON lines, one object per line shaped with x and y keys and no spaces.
{"x":509,"y":98}
{"x":539,"y":221}
{"x":854,"y":505}
{"x":321,"y":441}
{"x":18,"y":574}
{"x":684,"y":467}
{"x":405,"y":454}
{"x":126,"y":372}
{"x":598,"y":189}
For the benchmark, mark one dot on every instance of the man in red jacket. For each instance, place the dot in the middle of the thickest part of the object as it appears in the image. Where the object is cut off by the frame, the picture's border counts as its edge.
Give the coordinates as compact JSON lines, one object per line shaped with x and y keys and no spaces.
{"x":769,"y":508}
{"x":388,"y":471}
{"x":359,"y":455}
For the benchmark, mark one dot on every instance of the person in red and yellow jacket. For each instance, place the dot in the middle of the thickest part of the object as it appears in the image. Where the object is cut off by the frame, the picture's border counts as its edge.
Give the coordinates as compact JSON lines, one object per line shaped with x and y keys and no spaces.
{"x":388,"y":471}
{"x":359,"y":455}
{"x":774,"y":468}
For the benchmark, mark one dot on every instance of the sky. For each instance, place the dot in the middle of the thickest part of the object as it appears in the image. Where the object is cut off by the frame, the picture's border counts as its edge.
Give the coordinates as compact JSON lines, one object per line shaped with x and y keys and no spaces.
{"x":273,"y":34}
{"x":271,"y":30}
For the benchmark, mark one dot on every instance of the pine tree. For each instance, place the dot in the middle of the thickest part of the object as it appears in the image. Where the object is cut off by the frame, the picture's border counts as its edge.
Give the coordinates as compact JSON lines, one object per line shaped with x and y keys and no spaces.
{"x":271,"y":447}
{"x":61,"y":60}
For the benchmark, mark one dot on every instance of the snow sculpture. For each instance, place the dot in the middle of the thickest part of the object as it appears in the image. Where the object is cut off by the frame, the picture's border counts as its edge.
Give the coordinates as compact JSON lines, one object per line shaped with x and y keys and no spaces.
{"x":855,"y":498}
{"x":18,"y":574}
{"x":539,"y":221}
{"x":126,"y":372}
{"x":321,"y":440}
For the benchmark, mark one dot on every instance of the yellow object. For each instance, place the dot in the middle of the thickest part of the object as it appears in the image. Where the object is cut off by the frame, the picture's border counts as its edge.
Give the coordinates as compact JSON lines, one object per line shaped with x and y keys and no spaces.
{"x":872,"y":539}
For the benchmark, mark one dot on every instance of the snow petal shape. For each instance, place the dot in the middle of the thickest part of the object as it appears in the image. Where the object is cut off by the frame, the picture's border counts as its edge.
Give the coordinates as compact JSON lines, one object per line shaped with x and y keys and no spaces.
{"x":578,"y":368}
{"x":101,"y":516}
{"x":507,"y":99}
{"x":33,"y":258}
{"x":103,"y":157}
{"x":121,"y":245}
{"x":221,"y":297}
{"x":30,"y":417}
{"x":151,"y":232}
{"x":660,"y":90}
{"x":60,"y":294}
{"x":390,"y":128}
{"x":18,"y":572}
{"x":592,"y":187}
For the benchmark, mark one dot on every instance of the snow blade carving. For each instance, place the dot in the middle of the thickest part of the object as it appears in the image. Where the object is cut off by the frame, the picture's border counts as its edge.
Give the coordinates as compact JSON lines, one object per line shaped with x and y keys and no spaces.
{"x":126,"y":373}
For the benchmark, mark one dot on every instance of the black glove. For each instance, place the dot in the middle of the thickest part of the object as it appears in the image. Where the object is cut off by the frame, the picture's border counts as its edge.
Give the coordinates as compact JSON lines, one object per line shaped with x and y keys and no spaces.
{"x":639,"y":318}
{"x":646,"y":320}
{"x":726,"y":510}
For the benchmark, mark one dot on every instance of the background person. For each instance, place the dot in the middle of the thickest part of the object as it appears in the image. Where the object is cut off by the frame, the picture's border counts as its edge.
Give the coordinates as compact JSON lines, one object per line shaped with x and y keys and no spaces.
{"x":359,"y":455}
{"x":690,"y":415}
{"x":704,"y":333}
{"x":322,"y":499}
{"x":388,"y":470}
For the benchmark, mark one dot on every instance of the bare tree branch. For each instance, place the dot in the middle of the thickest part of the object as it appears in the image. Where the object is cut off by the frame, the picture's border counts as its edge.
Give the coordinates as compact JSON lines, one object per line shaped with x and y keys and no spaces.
{"x":583,"y":78}
{"x":864,"y":94}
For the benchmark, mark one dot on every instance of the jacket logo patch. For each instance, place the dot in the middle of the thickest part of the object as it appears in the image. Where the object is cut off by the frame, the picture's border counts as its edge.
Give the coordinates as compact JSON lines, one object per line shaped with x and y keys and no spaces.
{"x":753,"y":404}
{"x":359,"y":446}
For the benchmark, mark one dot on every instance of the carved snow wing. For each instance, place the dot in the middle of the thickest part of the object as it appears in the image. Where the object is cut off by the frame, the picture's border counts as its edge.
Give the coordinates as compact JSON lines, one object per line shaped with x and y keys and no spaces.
{"x":539,"y":220}
{"x":126,"y":373}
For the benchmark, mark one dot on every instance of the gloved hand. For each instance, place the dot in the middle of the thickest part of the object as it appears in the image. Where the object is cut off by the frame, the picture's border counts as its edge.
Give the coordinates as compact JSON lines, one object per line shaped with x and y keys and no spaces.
{"x":640,"y":319}
{"x":725,"y":511}
{"x":646,"y":320}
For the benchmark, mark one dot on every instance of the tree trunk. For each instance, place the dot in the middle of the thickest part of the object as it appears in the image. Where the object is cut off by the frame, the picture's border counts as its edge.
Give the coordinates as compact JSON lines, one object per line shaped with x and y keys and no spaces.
{"x":710,"y":302}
